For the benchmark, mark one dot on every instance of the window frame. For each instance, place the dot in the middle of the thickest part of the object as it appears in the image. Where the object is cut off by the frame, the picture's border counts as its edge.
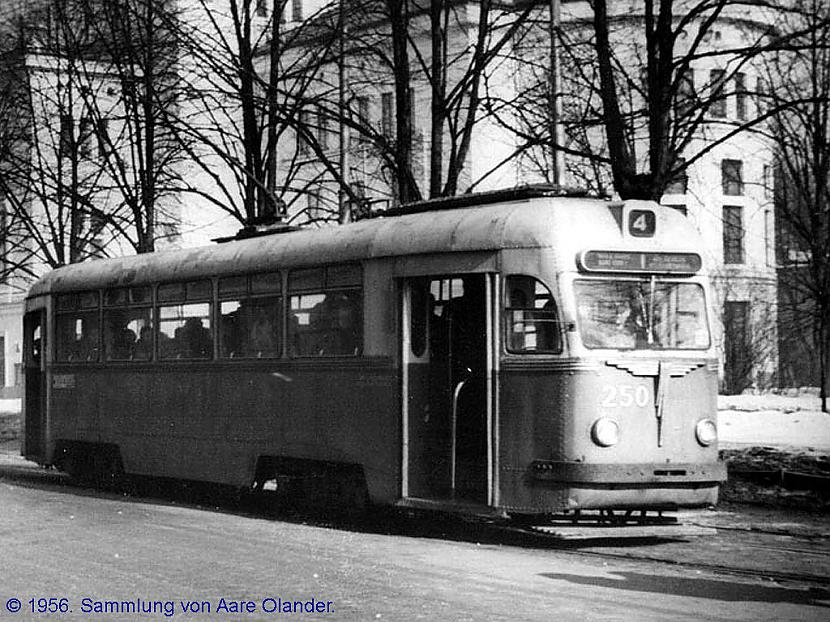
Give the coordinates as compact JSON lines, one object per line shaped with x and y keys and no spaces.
{"x":76,"y":309}
{"x":251,"y":294}
{"x":507,"y":308}
{"x":732,"y":177}
{"x":197,"y":298}
{"x":730,"y":242}
{"x":328,"y":283}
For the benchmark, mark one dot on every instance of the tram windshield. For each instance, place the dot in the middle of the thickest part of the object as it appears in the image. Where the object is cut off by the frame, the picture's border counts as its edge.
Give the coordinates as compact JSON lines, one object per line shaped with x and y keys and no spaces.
{"x":641,"y":314}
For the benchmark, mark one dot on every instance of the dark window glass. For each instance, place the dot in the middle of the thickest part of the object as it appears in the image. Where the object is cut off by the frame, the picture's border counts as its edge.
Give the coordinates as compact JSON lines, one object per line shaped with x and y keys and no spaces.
{"x":326,"y":324}
{"x":340,"y":276}
{"x":250,"y":328}
{"x":128,"y":334}
{"x":761,"y":96}
{"x":184,"y":331}
{"x":733,"y":234}
{"x":78,"y":336}
{"x":717,"y":105}
{"x":194,"y":290}
{"x":127,"y":295}
{"x":83,"y":300}
{"x":732,"y":177}
{"x":420,"y":310}
{"x":306,"y":279}
{"x":233,"y":285}
{"x":266,"y":283}
{"x":532,"y":320}
{"x":686,"y":97}
{"x":641,"y":314}
{"x":171,"y":291}
{"x":740,"y":96}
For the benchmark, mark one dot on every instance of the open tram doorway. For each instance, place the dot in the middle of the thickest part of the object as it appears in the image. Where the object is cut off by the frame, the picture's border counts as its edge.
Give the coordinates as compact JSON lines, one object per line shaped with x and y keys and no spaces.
{"x":447,"y":388}
{"x":34,"y":410}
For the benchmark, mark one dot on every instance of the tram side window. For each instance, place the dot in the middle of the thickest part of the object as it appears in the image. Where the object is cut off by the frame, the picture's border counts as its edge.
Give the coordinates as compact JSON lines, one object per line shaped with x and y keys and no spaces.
{"x":78,"y":338}
{"x":250,"y":311}
{"x":533,"y":325}
{"x":128,"y":332}
{"x":326,"y":320}
{"x":185,"y":326}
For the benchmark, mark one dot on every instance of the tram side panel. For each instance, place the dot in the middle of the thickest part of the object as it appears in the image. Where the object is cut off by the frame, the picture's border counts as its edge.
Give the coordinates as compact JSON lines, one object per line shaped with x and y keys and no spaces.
{"x":212,"y":422}
{"x":549,"y":461}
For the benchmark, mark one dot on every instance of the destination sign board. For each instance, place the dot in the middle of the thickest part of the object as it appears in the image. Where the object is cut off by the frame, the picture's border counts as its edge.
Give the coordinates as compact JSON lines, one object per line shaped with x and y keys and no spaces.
{"x":640,"y":261}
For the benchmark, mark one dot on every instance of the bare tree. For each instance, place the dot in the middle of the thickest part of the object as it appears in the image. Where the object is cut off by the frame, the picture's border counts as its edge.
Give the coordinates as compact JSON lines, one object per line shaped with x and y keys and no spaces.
{"x":800,"y":129}
{"x":87,"y":166}
{"x":50,"y":187}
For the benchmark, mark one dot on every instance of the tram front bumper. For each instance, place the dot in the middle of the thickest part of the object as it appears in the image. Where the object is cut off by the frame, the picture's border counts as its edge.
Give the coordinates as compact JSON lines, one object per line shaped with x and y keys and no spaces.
{"x":627,"y":474}
{"x":551,"y":486}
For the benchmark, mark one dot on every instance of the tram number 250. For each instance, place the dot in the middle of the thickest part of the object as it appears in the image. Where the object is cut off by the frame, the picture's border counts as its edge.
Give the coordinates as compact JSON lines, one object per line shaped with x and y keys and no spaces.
{"x":625,"y":395}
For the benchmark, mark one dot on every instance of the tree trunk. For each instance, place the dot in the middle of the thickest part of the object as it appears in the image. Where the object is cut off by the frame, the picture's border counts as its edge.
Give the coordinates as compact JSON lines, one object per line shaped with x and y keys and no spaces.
{"x":399,"y":18}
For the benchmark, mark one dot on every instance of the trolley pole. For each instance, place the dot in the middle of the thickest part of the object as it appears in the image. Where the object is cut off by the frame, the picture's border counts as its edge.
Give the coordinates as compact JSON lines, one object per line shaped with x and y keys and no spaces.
{"x":554,"y":89}
{"x":344,"y":209}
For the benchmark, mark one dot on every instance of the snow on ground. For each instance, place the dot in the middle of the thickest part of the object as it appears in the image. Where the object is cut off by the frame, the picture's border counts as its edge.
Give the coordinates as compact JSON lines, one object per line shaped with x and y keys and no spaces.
{"x":792,"y":420}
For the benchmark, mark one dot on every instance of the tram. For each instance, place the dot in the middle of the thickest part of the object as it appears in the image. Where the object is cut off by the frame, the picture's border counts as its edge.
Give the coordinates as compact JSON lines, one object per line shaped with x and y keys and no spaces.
{"x":517,"y":352}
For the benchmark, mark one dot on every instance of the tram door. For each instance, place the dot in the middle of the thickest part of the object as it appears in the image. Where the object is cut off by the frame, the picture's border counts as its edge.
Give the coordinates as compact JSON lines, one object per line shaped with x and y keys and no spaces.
{"x":446,"y":388}
{"x":34,"y":342}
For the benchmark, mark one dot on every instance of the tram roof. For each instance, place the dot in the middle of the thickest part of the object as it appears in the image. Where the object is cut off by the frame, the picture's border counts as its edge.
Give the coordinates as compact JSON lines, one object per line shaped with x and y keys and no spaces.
{"x":569,"y":224}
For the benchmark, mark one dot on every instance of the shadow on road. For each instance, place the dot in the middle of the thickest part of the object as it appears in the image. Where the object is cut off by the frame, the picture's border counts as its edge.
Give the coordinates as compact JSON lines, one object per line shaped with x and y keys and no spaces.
{"x":710,"y":589}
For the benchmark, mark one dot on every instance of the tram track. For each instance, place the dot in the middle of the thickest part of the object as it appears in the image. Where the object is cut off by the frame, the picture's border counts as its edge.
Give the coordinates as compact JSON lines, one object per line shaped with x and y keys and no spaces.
{"x":699,"y":545}
{"x":729,"y":551}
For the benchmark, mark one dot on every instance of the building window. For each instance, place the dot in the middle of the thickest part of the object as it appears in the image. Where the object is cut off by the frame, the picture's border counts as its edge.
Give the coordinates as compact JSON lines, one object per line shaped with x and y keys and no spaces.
{"x":761,"y":94}
{"x":103,"y":137}
{"x":4,"y":259}
{"x":302,"y":128}
{"x":740,"y":96}
{"x":66,"y":138}
{"x":733,"y":234}
{"x":686,"y":97}
{"x":768,"y":183}
{"x":362,"y":104}
{"x":717,"y":104}
{"x":86,"y":135}
{"x":323,"y":130}
{"x":732,"y":177}
{"x":297,"y":10}
{"x":738,"y":361}
{"x":679,"y":182}
{"x":387,"y":107}
{"x":262,"y":8}
{"x":315,"y":205}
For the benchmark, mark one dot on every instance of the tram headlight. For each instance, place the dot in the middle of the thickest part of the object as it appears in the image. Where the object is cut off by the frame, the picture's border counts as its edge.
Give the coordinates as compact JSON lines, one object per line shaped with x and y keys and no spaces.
{"x":706,"y":432}
{"x":605,"y":432}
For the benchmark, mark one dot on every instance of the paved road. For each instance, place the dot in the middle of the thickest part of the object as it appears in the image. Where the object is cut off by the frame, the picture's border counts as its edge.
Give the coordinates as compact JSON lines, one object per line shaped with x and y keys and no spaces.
{"x":59,"y":541}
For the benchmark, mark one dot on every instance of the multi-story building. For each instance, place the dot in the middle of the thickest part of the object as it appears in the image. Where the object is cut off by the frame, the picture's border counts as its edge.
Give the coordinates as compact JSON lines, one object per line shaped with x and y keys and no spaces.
{"x":726,"y":189}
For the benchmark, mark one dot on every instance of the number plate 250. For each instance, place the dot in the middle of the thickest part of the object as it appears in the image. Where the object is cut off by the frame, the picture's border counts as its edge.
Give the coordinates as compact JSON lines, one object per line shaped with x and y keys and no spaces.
{"x":625,"y":396}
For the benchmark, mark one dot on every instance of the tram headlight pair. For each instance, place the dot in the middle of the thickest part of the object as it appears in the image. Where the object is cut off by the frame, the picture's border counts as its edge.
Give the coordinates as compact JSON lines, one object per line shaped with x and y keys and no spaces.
{"x":706,"y":432}
{"x":605,"y":432}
